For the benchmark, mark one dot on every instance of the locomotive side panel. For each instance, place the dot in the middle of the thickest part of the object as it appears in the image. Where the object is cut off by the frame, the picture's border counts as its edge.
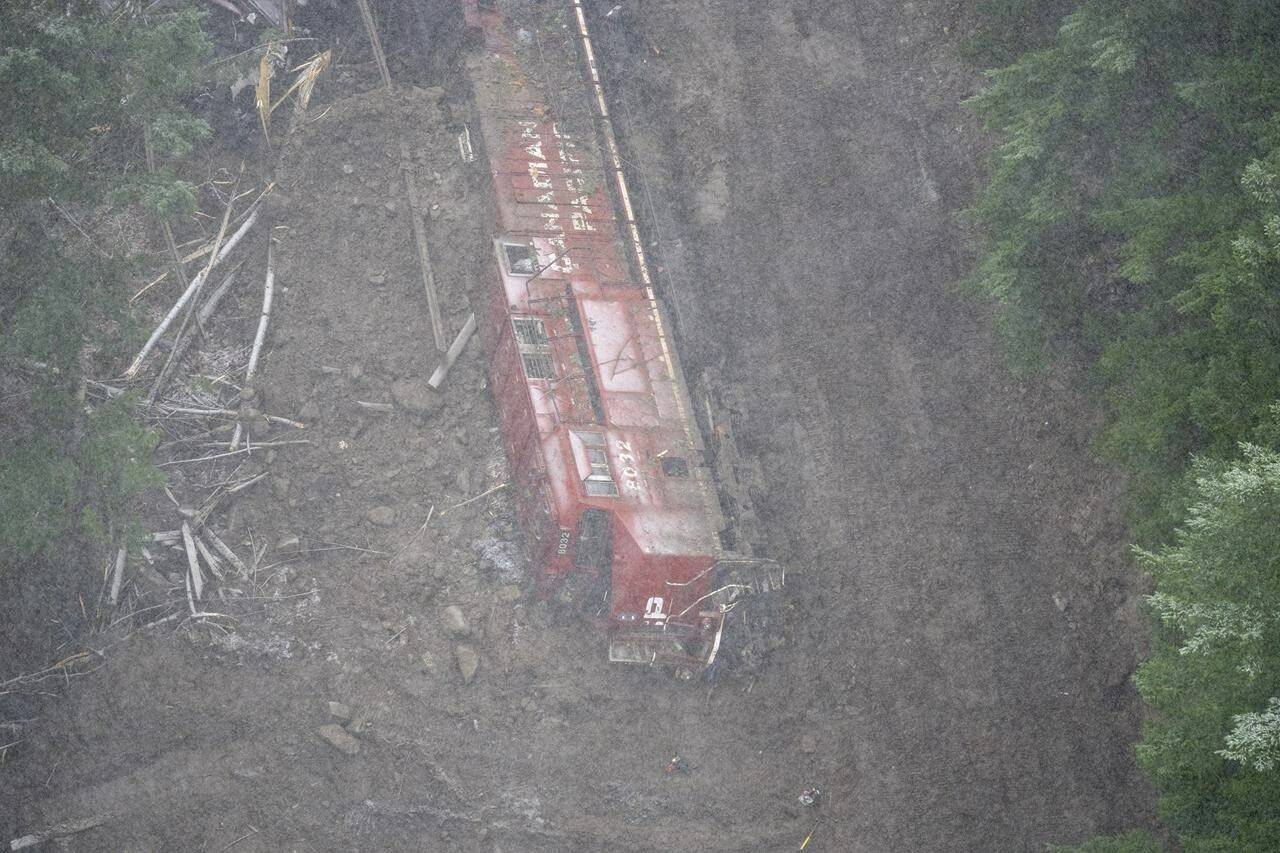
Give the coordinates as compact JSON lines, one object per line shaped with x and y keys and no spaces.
{"x":608,"y":466}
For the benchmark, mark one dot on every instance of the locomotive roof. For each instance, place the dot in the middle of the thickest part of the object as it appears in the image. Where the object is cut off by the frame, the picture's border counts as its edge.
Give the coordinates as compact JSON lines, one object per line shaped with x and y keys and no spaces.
{"x":586,"y":281}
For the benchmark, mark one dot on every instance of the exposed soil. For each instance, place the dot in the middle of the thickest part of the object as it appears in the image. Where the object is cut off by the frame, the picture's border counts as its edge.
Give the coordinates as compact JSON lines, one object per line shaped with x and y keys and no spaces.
{"x":962,"y":623}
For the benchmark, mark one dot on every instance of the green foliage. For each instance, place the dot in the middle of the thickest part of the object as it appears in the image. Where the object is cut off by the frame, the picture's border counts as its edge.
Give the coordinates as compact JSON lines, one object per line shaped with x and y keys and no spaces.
{"x":1212,"y":746}
{"x":80,"y":88}
{"x":1009,"y":28}
{"x":72,"y":82}
{"x":53,"y":487}
{"x":39,"y":487}
{"x":1135,"y":193}
{"x":1135,"y":841}
{"x":1132,"y":208}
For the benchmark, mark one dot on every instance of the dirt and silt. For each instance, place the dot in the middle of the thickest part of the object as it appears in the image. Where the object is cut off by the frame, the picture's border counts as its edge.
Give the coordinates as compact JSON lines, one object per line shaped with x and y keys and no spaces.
{"x":962,"y":625}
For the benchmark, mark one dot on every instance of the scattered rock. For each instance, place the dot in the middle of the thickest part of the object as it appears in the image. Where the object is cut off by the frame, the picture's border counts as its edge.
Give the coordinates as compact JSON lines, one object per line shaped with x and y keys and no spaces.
{"x":310,"y":412}
{"x":280,"y":487}
{"x":383,"y":516}
{"x":354,"y":371}
{"x":468,"y":661}
{"x":339,"y":738}
{"x":416,"y":396}
{"x":358,"y":725}
{"x":340,"y":711}
{"x":808,"y":744}
{"x":509,"y":593}
{"x":248,"y":394}
{"x":454,"y":621}
{"x":348,"y":169}
{"x":378,"y":279}
{"x":288,"y":543}
{"x":463,"y":481}
{"x":428,"y":663}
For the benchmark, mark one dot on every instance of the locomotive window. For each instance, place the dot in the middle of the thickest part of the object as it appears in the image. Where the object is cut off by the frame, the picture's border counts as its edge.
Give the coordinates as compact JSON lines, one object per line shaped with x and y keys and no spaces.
{"x":599,"y":462}
{"x":599,"y":483}
{"x":530,"y":331}
{"x":538,"y":365}
{"x":594,"y":549}
{"x":601,"y":488}
{"x":520,"y":258}
{"x":535,"y":347}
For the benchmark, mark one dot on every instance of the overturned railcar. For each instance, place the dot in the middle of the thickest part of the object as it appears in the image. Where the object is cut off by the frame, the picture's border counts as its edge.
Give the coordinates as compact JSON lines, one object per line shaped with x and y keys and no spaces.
{"x":614,"y":484}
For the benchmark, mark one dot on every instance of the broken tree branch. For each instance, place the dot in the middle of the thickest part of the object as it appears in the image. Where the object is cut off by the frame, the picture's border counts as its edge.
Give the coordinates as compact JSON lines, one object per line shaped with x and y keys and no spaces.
{"x":424,"y":256}
{"x":196,"y":578}
{"x":223,"y":549}
{"x":195,"y":284}
{"x":259,"y":446}
{"x":367,"y":16}
{"x":455,"y":350}
{"x":118,"y":577}
{"x":58,"y":830}
{"x":485,"y":493}
{"x":183,"y":339}
{"x":229,"y":413}
{"x":268,"y":292}
{"x":213,"y":562}
{"x":179,"y":343}
{"x":211,"y":304}
{"x":179,"y":270}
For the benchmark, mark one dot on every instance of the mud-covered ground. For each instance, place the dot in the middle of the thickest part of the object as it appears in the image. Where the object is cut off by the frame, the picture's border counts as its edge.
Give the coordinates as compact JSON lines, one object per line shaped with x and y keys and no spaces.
{"x":969,"y":623}
{"x":963,"y":626}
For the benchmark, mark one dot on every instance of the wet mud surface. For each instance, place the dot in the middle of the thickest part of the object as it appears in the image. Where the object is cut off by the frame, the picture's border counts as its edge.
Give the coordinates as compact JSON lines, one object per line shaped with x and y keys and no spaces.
{"x":962,"y":626}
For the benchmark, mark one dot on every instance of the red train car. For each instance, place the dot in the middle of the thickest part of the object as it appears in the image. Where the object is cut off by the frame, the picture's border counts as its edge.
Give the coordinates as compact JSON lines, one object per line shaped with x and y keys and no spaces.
{"x":613,"y":491}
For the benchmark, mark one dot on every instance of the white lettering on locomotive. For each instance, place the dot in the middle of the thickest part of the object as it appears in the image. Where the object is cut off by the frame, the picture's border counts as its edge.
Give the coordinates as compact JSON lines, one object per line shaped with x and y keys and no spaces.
{"x":653,"y":609}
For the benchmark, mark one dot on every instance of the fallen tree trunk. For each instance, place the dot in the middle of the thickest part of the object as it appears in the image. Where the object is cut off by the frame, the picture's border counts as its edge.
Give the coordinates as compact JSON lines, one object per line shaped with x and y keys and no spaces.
{"x":455,"y":350}
{"x":191,"y":290}
{"x":117,"y":577}
{"x":59,"y":830}
{"x":268,"y":293}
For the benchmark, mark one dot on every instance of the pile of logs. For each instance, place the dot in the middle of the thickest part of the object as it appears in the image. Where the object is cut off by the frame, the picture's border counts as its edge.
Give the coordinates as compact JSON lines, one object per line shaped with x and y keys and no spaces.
{"x":201,"y":401}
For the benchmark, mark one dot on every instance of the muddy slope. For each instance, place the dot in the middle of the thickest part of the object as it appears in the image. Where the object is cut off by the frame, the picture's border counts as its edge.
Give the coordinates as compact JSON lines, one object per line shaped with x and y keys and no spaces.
{"x":963,"y":629}
{"x":967,"y":625}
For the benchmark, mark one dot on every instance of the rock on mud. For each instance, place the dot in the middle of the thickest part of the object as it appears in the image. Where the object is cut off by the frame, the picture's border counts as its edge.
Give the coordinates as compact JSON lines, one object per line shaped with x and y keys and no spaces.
{"x":339,"y":739}
{"x":415,"y":396}
{"x":468,"y":661}
{"x":454,"y":621}
{"x":383,"y":516}
{"x":340,"y":711}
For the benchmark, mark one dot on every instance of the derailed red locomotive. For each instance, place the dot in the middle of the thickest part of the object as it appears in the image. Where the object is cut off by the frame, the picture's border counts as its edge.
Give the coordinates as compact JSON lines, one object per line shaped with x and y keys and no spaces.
{"x":613,"y":480}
